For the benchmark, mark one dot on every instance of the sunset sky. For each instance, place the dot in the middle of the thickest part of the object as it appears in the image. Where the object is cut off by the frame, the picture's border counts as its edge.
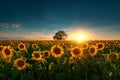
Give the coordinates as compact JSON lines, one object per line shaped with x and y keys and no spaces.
{"x":41,"y":19}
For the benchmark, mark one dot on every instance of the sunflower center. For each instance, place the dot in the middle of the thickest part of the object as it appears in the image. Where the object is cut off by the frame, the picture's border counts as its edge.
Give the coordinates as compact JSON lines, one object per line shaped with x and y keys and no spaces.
{"x":46,"y":54}
{"x":92,"y":50}
{"x":76,"y":51}
{"x":84,"y":45}
{"x":36,"y":55}
{"x":34,"y":46}
{"x":106,"y":56}
{"x":7,"y":51}
{"x":100,"y":46}
{"x":20,"y":63}
{"x":57,"y":50}
{"x":114,"y":56}
{"x":21,"y":46}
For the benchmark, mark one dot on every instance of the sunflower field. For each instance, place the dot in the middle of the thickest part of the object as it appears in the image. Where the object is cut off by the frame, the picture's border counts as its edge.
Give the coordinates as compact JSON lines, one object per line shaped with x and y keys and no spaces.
{"x":60,"y":60}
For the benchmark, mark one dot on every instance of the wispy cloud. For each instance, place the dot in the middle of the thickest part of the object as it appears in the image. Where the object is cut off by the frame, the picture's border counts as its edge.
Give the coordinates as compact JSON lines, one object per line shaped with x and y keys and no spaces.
{"x":9,"y":25}
{"x":31,"y":36}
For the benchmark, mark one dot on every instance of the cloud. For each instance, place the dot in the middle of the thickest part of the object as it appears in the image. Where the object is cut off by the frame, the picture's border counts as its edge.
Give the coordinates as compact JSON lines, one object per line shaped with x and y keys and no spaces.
{"x":8,"y":25}
{"x":37,"y":36}
{"x":31,"y":36}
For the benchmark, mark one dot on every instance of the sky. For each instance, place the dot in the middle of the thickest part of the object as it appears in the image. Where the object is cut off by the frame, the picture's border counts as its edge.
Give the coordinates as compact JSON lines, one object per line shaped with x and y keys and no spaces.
{"x":41,"y":19}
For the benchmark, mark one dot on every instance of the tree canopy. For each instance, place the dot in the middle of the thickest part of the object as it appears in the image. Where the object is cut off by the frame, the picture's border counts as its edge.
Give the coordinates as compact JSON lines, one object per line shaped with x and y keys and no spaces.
{"x":60,"y":35}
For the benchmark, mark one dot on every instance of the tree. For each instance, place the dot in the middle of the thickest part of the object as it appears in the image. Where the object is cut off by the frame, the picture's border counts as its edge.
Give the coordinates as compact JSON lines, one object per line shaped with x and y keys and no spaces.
{"x":60,"y":35}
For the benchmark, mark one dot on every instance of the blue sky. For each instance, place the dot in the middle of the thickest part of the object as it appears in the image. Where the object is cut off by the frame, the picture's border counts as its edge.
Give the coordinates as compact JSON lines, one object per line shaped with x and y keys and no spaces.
{"x":41,"y":19}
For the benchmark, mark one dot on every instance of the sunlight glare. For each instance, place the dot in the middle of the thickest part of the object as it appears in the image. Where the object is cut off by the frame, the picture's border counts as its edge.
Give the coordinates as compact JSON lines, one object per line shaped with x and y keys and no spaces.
{"x":80,"y":37}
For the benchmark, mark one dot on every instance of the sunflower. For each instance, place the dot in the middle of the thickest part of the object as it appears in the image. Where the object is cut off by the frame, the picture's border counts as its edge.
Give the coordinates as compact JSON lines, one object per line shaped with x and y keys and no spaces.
{"x":107,"y":45}
{"x":46,"y":54}
{"x":100,"y":46}
{"x":114,"y":56}
{"x":21,"y":46}
{"x":57,"y":51}
{"x":34,"y":46}
{"x":92,"y":51}
{"x":1,"y":47}
{"x":20,"y":63}
{"x":7,"y":52}
{"x":36,"y":55}
{"x":69,"y":47}
{"x":106,"y":56}
{"x":118,"y":45}
{"x":27,"y":45}
{"x":76,"y":52}
{"x":45,"y":42}
{"x":84,"y":45}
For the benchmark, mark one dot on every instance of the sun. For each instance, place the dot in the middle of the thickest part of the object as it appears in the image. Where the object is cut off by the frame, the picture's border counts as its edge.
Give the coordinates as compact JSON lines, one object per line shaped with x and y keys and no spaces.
{"x":80,"y":37}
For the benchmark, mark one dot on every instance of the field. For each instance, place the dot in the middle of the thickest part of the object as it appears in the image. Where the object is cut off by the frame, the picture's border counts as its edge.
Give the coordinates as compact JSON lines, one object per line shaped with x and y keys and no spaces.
{"x":60,"y":60}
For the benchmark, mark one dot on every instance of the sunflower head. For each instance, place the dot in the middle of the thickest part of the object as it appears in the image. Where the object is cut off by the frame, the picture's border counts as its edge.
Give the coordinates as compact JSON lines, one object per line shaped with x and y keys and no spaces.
{"x":27,"y":45}
{"x":84,"y":45}
{"x":57,"y":51}
{"x":20,"y":63}
{"x":106,"y":56}
{"x":76,"y":52}
{"x":114,"y":56}
{"x":34,"y":46}
{"x":100,"y":46}
{"x":12,"y":44}
{"x":36,"y":55}
{"x":7,"y":52}
{"x":46,"y":54}
{"x":21,"y":46}
{"x":92,"y":51}
{"x":107,"y":45}
{"x":118,"y":45}
{"x":69,"y":48}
